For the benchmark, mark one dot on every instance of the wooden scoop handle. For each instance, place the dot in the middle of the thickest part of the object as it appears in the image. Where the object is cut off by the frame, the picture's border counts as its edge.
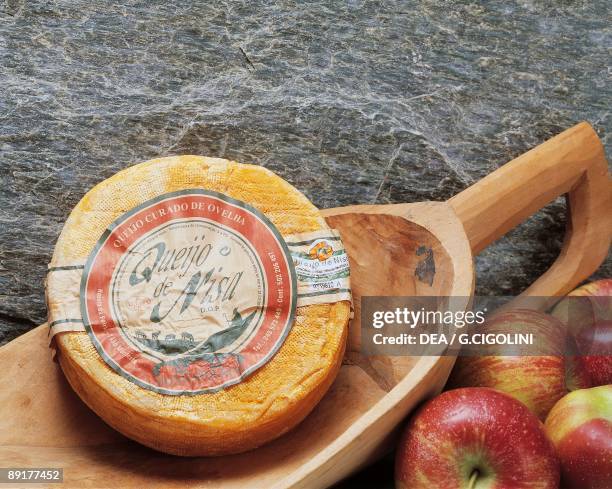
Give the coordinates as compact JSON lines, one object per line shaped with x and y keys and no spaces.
{"x":571,"y":163}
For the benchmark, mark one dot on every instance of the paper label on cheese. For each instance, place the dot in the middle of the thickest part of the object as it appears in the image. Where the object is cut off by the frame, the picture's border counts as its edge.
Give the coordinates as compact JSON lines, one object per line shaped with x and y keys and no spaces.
{"x":193,"y":291}
{"x":322,"y":267}
{"x":189,"y":293}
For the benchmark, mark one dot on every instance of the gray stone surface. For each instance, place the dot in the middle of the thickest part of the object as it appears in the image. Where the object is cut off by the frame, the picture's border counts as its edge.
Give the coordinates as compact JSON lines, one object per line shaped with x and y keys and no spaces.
{"x":353,"y":102}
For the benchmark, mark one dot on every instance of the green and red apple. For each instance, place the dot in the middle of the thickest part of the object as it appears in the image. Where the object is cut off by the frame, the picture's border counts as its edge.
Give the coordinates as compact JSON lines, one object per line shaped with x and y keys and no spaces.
{"x":475,"y":438}
{"x":537,"y":381}
{"x":592,"y":366}
{"x":587,"y":312}
{"x":580,"y":427}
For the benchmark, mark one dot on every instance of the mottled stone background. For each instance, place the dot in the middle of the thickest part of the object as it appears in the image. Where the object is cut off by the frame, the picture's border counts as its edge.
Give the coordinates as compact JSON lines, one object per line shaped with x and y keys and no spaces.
{"x":352,"y":102}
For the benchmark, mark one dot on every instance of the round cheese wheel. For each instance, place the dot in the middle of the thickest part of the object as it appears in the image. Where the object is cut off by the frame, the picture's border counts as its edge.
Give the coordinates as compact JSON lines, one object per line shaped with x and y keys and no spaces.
{"x":244,"y":413}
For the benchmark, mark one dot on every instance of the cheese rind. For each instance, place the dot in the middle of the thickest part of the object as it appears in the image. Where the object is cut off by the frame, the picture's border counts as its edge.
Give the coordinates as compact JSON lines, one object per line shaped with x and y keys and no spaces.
{"x":263,"y":406}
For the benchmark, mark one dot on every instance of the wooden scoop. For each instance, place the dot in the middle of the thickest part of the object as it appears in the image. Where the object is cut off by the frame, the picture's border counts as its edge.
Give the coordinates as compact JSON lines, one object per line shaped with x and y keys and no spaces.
{"x":404,"y":249}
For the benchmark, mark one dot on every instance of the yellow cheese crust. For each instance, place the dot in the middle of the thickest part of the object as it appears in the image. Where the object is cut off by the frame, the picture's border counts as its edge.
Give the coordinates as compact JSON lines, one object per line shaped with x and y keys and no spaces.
{"x":265,"y":405}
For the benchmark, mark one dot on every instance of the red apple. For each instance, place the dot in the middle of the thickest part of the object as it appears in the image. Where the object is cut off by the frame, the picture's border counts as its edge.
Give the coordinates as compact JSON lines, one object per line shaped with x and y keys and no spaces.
{"x":585,"y":305}
{"x":593,"y":364}
{"x":537,"y":381}
{"x":580,"y":427}
{"x":472,"y":438}
{"x":587,"y":311}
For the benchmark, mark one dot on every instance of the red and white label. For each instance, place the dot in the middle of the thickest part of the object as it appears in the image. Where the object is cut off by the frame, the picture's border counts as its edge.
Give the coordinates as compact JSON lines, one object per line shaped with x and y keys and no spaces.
{"x":189,"y":293}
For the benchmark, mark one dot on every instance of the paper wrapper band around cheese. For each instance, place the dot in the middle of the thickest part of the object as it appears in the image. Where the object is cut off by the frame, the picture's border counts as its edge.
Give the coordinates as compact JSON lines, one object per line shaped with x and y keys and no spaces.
{"x":198,"y":305}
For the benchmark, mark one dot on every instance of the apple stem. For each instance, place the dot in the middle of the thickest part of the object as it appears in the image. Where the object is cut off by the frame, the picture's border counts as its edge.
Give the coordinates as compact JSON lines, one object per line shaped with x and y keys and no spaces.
{"x":472,"y":481}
